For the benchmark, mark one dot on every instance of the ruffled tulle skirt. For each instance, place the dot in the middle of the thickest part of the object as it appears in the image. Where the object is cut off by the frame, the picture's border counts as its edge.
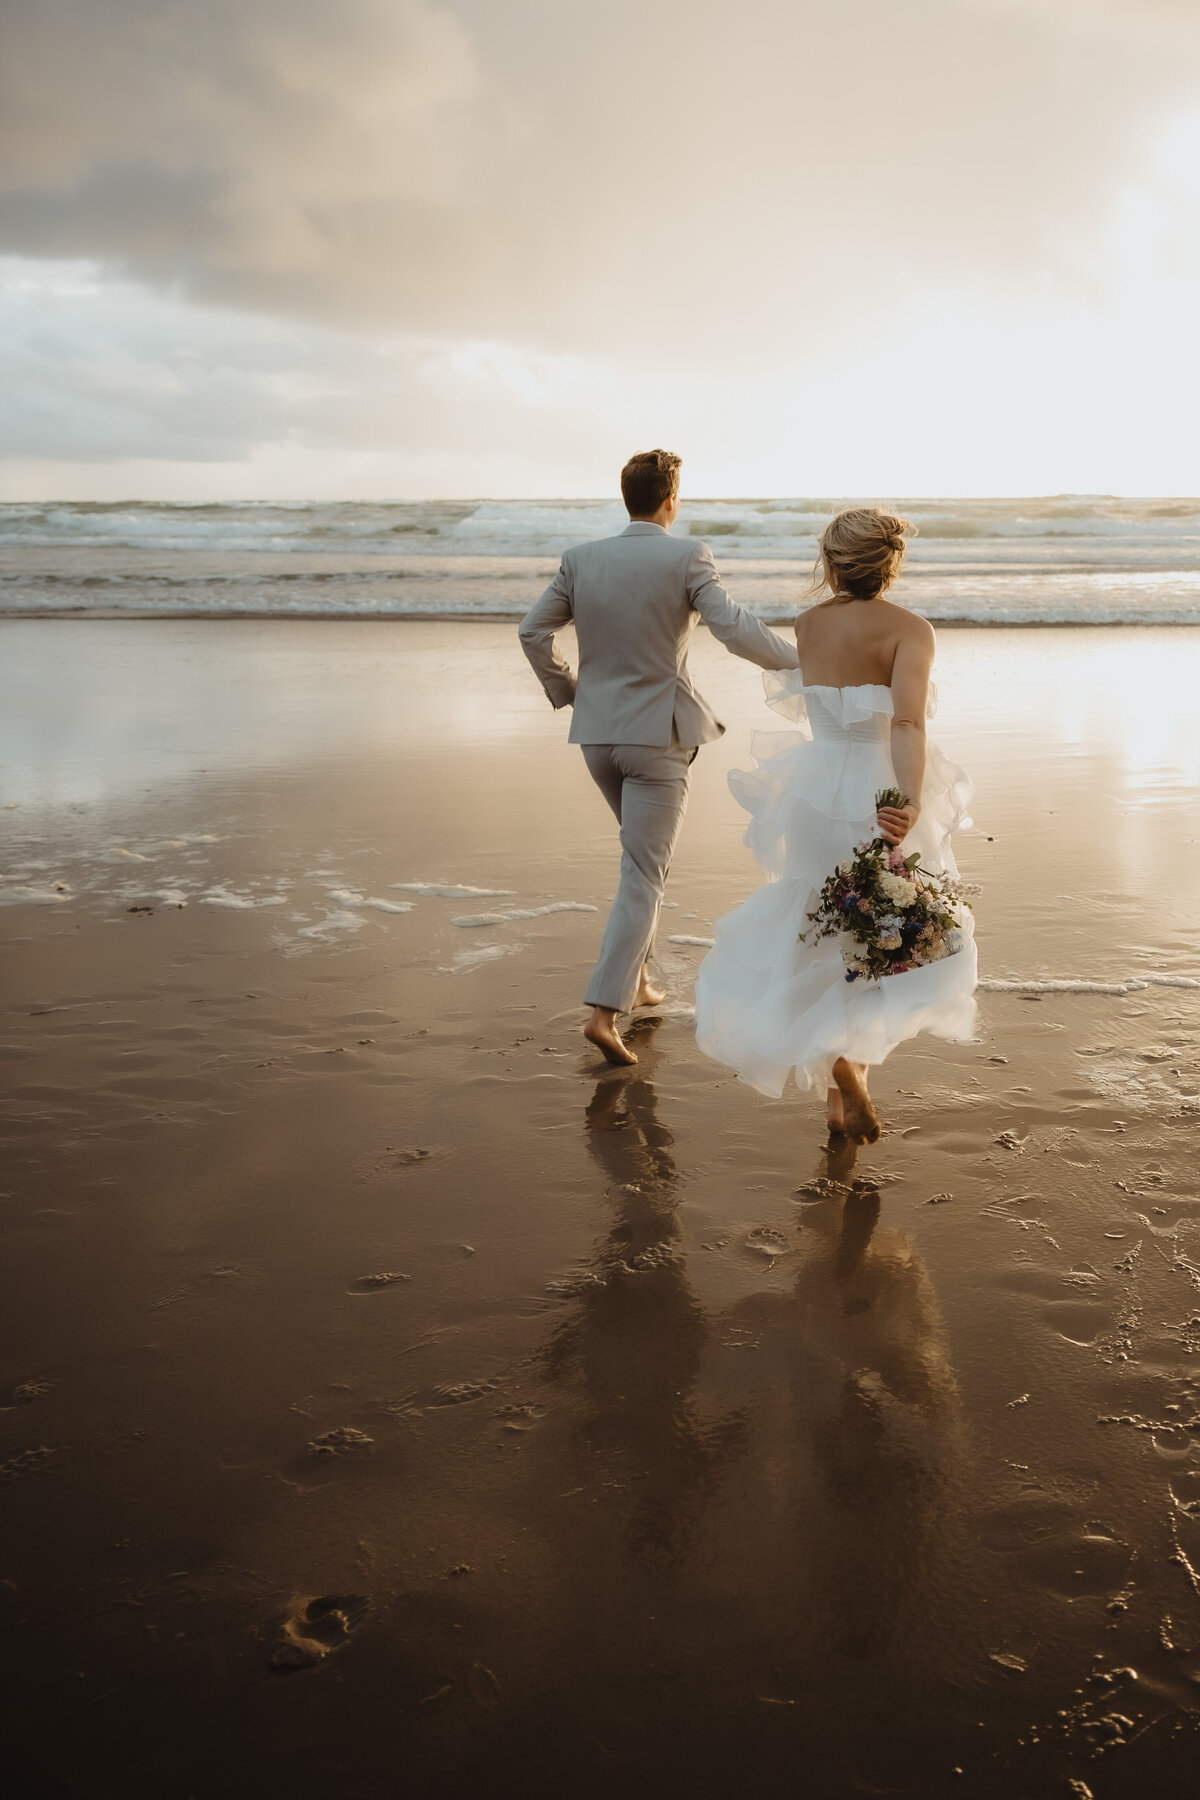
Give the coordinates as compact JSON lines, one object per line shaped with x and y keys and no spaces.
{"x":774,"y":1008}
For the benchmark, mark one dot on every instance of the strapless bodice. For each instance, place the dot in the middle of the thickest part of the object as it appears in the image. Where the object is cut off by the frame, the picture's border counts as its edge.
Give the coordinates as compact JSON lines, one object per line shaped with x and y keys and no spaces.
{"x":861,"y":714}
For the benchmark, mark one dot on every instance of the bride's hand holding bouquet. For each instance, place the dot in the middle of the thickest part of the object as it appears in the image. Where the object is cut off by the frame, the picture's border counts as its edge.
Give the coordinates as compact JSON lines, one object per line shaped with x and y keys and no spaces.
{"x":896,"y":815}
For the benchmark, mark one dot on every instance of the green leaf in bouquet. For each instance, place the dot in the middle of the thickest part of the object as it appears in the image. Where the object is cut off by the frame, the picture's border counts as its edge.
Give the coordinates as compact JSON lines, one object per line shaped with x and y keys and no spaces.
{"x":910,"y":862}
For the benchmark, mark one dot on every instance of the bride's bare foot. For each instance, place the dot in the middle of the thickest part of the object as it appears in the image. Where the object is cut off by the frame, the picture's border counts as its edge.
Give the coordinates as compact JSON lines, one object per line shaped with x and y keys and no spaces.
{"x":601,"y":1030}
{"x":859,"y":1119}
{"x":647,"y":994}
{"x":841,"y":1154}
{"x":835,"y":1117}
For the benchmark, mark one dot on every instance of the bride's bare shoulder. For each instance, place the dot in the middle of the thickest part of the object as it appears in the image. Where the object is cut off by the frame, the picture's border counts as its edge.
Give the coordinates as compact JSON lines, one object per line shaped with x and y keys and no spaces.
{"x":807,"y":614}
{"x":909,"y":627}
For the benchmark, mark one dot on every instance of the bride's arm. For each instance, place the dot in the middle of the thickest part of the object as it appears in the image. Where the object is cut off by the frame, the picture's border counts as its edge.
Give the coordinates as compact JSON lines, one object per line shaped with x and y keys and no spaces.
{"x":910,"y":696}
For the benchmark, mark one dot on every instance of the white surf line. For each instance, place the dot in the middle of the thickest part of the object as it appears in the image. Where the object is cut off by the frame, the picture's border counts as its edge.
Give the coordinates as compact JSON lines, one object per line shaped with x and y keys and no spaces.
{"x":157,"y":846}
{"x":700,"y":943}
{"x":220,"y":896}
{"x":333,"y":922}
{"x":347,"y":897}
{"x":23,"y":895}
{"x":166,"y":896}
{"x":466,"y":960}
{"x":451,"y":890}
{"x":471,"y":920}
{"x":1132,"y":984}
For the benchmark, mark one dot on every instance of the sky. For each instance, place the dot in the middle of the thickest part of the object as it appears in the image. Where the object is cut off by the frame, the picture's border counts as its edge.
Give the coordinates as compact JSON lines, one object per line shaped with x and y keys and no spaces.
{"x":458,"y":248}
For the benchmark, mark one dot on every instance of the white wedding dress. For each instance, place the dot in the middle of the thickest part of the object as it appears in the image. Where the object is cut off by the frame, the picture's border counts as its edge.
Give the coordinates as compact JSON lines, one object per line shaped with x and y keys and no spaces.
{"x":768,"y":1005}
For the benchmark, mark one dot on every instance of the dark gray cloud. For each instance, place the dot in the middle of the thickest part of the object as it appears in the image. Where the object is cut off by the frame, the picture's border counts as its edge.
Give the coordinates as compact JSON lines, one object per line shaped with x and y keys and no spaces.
{"x":625,"y":176}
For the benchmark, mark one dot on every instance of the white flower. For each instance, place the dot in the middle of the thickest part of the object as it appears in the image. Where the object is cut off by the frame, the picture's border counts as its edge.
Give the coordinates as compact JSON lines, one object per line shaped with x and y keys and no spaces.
{"x":899,"y":891}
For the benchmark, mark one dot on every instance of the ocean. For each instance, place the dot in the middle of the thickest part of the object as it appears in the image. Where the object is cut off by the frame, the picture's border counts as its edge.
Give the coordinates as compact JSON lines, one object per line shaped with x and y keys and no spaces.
{"x":1070,"y":559}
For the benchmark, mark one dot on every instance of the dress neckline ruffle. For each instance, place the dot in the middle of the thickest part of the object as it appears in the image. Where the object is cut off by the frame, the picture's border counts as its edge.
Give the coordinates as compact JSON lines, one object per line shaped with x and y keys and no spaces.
{"x":786,"y":691}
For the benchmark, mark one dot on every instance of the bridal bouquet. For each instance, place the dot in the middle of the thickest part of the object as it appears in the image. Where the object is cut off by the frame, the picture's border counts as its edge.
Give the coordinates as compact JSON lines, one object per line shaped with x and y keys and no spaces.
{"x":891,"y":914}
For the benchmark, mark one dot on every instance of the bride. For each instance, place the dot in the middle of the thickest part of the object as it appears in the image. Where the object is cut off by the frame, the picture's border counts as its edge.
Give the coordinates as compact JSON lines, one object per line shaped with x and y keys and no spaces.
{"x":767,"y":1004}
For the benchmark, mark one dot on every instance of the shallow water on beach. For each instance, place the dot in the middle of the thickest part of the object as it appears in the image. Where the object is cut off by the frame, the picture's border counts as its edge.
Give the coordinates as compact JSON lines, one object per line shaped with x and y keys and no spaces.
{"x":636,"y":1443}
{"x":1064,"y":559}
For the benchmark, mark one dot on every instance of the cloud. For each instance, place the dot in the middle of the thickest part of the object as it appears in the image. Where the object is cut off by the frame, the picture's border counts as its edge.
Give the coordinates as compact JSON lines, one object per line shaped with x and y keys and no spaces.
{"x":631,"y":179}
{"x":113,"y":390}
{"x":463,"y":247}
{"x":101,"y":370}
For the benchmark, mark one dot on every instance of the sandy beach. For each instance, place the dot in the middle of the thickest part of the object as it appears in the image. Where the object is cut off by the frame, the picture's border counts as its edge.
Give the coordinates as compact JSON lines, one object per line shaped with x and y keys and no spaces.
{"x":394,"y":1400}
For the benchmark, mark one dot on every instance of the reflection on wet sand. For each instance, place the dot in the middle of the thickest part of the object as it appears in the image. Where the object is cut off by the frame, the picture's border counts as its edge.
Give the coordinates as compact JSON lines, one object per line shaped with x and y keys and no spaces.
{"x":848,"y":1495}
{"x":855,"y":1418}
{"x":633,"y":1341}
{"x":779,"y":1472}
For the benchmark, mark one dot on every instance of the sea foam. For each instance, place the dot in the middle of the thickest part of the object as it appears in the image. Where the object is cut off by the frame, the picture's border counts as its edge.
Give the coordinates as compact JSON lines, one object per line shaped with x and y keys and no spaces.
{"x":1064,"y":560}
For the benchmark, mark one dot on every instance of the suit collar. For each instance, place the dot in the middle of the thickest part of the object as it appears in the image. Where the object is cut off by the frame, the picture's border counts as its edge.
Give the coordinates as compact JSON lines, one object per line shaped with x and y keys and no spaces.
{"x":639,"y":528}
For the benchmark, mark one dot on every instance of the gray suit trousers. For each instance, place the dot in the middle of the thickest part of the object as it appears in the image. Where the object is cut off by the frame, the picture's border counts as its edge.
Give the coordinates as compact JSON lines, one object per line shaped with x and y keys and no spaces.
{"x":647,"y":789}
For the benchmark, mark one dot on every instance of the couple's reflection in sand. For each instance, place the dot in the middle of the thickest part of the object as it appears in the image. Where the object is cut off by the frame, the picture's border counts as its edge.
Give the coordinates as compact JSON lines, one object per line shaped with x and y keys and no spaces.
{"x":781,"y":1462}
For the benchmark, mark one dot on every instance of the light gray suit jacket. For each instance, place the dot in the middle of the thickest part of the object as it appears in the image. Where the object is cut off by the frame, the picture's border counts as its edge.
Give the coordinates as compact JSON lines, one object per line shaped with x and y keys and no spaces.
{"x":635,"y":599}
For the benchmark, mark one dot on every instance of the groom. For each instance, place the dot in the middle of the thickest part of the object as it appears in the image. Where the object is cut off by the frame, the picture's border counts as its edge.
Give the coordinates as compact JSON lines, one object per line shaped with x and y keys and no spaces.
{"x":635,"y":599}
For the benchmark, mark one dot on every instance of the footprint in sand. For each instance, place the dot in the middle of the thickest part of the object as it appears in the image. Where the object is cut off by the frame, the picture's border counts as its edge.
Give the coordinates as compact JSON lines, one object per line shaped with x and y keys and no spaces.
{"x":392,"y":1160}
{"x":25,"y":1391}
{"x":374,"y":1284}
{"x":315,"y":1628}
{"x":1012,"y":1140}
{"x":767,"y":1242}
{"x":340,"y":1440}
{"x":26,"y":1463}
{"x":461,"y":1393}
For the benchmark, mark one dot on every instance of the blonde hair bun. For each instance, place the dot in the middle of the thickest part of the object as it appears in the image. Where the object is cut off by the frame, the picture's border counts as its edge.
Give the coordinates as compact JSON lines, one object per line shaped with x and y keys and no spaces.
{"x":861,"y":552}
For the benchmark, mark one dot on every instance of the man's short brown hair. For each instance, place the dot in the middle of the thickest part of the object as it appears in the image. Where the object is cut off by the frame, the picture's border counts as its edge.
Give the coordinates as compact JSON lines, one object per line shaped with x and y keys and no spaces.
{"x":648,"y":479}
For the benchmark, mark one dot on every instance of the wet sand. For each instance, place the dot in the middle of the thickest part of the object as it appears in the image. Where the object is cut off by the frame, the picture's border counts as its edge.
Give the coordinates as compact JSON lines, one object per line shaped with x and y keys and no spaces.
{"x":624,"y":1442}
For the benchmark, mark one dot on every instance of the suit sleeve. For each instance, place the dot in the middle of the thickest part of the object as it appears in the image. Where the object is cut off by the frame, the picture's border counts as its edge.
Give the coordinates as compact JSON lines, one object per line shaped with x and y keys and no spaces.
{"x":737,"y":629}
{"x":536,"y":630}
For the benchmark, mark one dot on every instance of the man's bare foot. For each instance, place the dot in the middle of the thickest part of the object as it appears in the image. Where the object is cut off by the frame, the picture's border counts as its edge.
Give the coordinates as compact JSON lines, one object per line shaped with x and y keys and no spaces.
{"x":601,"y":1030}
{"x":860,"y":1121}
{"x":647,"y":994}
